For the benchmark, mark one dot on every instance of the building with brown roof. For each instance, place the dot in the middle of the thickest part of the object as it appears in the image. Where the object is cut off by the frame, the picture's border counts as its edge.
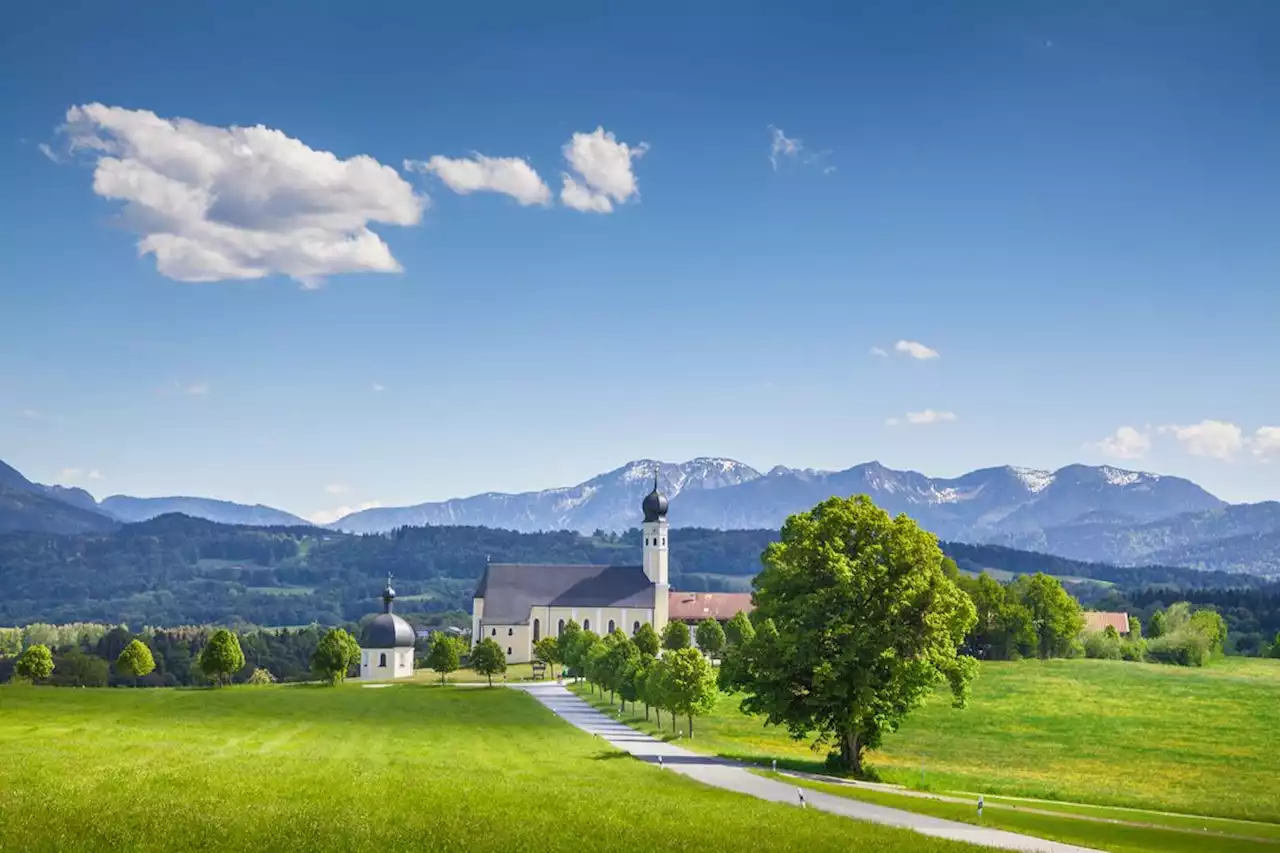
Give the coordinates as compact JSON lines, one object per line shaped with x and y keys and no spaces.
{"x":1101,"y":620}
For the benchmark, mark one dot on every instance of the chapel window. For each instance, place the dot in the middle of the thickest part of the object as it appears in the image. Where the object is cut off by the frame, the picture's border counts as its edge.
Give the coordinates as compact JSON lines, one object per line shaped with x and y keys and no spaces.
{"x":537,"y":630}
{"x":382,"y":659}
{"x":560,"y":628}
{"x":635,"y":629}
{"x":610,"y":626}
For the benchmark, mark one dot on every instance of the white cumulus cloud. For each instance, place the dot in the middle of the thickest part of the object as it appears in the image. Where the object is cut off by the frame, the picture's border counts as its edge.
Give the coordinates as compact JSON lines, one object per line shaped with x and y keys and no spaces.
{"x":328,"y":516}
{"x":1266,"y":442}
{"x":218,"y":203}
{"x":923,"y":418}
{"x":1125,"y":443}
{"x":602,"y":169}
{"x":507,"y":175}
{"x":915,"y":349}
{"x":1216,"y":439}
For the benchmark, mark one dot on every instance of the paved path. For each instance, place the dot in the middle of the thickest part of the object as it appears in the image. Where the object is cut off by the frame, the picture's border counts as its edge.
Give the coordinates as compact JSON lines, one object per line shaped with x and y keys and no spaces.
{"x":734,"y":776}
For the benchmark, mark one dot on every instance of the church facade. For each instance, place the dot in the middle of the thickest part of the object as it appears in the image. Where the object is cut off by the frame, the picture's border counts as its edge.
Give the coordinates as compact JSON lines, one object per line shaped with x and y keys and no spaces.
{"x":517,"y":604}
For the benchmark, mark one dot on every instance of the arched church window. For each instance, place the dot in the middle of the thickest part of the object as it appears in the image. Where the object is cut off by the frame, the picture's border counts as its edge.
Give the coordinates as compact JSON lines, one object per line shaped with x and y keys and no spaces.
{"x":382,"y":659}
{"x":511,"y":632}
{"x":537,"y":630}
{"x":508,"y":650}
{"x":635,"y":629}
{"x":646,"y":541}
{"x":664,"y":541}
{"x":560,"y":628}
{"x":493,"y":632}
{"x":586,"y":624}
{"x":610,"y":626}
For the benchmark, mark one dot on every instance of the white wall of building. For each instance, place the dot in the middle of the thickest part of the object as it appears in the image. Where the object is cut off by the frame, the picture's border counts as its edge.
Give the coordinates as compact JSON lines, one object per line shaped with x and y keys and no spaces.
{"x":379,"y":664}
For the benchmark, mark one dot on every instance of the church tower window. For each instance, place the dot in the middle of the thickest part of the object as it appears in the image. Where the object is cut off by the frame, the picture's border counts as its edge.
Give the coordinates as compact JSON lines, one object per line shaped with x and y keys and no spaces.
{"x":537,"y":630}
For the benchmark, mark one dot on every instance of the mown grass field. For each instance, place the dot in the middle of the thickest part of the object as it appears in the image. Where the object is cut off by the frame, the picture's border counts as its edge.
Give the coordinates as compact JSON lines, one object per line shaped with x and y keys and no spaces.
{"x":409,"y":767}
{"x":1130,"y":832}
{"x":1200,"y":741}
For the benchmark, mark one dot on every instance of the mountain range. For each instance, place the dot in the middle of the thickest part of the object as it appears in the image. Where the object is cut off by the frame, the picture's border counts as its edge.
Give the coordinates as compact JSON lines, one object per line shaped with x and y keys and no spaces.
{"x":1096,"y":513}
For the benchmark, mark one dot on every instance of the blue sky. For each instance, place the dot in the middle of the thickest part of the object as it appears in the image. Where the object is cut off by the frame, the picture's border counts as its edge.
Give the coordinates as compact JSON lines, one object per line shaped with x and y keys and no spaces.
{"x":1074,"y":206}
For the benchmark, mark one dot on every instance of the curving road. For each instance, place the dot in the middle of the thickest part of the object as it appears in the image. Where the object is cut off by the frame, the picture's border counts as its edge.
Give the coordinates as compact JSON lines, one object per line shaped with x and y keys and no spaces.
{"x":735,"y":777}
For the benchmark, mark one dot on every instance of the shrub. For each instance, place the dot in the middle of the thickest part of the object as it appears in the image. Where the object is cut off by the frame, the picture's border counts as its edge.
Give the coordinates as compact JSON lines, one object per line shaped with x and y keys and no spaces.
{"x":1182,"y":648}
{"x":1134,"y":649}
{"x":1101,"y":645}
{"x":261,"y":676}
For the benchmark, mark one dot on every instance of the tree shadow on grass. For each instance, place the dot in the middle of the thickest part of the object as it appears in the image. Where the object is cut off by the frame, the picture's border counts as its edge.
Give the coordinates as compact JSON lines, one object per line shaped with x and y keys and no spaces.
{"x":802,"y":765}
{"x":610,"y":754}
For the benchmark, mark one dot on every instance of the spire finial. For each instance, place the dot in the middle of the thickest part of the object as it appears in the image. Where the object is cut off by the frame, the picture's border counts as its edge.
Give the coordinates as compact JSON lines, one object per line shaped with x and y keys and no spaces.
{"x":388,"y":595}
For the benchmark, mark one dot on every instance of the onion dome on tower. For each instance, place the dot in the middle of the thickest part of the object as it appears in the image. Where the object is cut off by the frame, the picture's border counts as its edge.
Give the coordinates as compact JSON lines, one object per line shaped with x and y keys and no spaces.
{"x":655,"y":504}
{"x":387,"y":630}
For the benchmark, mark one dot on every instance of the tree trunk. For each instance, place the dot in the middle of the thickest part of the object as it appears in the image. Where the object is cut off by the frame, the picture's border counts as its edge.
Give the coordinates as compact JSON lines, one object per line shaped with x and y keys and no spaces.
{"x":646,"y":712}
{"x":851,"y":752}
{"x":490,"y":677}
{"x":691,"y":727}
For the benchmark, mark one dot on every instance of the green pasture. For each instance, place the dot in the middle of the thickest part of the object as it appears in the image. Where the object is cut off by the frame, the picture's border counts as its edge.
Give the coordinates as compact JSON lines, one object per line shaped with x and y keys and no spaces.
{"x":1107,"y":733}
{"x":404,"y":767}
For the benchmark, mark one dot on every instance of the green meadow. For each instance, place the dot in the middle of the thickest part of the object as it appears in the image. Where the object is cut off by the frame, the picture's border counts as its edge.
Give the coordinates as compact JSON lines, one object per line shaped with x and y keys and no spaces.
{"x":1108,"y":733}
{"x":410,"y":766}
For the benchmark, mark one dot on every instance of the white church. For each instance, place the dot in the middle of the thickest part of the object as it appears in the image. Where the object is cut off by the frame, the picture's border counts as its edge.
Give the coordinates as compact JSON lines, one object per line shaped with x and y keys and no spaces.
{"x":386,"y":649}
{"x":517,"y":604}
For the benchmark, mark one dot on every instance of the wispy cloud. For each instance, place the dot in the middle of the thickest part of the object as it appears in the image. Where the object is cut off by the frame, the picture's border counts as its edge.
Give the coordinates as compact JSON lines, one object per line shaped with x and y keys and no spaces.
{"x":378,"y":387}
{"x":510,"y":176}
{"x":916,"y":350}
{"x":879,"y":353}
{"x":336,"y":489}
{"x":195,"y":389}
{"x":922,"y":418}
{"x":784,"y":149}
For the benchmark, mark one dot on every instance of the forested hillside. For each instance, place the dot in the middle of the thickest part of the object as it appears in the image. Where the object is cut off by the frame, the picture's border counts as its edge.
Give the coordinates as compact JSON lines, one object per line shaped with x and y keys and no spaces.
{"x":175,"y":570}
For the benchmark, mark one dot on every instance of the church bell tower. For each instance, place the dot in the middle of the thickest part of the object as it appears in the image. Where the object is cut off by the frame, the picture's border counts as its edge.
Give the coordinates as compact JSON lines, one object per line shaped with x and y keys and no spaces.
{"x":654,"y":534}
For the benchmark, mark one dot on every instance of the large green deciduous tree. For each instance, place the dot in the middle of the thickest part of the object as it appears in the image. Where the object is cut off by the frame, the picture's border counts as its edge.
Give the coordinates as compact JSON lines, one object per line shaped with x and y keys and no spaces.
{"x":335,"y":654}
{"x":445,"y":656}
{"x":675,"y":636}
{"x":857,"y":623}
{"x":689,"y":684}
{"x":34,"y":664}
{"x":222,"y":656}
{"x":710,"y":636}
{"x":488,"y":659}
{"x":135,"y":661}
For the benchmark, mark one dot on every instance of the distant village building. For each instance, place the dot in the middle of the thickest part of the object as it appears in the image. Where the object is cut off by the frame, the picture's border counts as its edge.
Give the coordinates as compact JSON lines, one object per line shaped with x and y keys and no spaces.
{"x":386,"y":650}
{"x":1100,"y":620}
{"x":517,"y":604}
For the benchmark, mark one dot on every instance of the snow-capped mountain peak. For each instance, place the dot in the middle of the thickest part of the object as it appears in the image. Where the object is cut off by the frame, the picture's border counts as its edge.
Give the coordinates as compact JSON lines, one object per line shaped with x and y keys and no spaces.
{"x":1035,"y":479}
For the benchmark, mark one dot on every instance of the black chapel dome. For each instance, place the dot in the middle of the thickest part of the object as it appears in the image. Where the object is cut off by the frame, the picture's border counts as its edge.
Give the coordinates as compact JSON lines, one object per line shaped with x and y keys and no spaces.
{"x":654,"y":505}
{"x":387,"y":630}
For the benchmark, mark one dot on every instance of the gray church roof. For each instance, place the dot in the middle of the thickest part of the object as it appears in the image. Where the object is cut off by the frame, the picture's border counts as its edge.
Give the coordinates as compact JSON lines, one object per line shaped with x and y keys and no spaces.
{"x":510,"y":589}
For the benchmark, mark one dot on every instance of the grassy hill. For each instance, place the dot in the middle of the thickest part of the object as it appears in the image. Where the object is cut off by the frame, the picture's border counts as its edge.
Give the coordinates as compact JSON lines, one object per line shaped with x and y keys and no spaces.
{"x":1200,"y":741}
{"x":409,"y":767}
